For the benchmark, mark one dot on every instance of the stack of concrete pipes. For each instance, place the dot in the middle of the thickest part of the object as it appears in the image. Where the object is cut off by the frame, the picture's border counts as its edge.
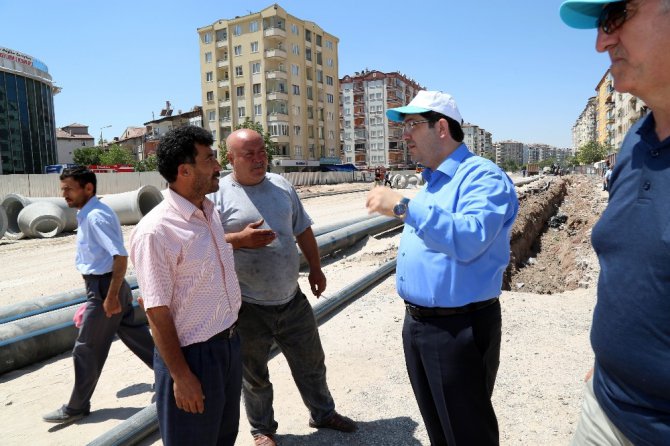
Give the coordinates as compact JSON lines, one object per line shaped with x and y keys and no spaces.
{"x":46,"y":217}
{"x":402,"y":181}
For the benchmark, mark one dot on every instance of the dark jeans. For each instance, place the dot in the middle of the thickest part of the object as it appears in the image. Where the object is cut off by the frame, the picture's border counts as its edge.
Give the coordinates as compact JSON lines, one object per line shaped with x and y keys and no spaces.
{"x":293,"y":327}
{"x":217,"y":365}
{"x":96,"y":335}
{"x":452,"y":362}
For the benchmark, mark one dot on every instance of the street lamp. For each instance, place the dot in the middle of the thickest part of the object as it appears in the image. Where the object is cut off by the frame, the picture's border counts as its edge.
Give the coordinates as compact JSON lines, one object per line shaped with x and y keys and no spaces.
{"x":101,"y":140}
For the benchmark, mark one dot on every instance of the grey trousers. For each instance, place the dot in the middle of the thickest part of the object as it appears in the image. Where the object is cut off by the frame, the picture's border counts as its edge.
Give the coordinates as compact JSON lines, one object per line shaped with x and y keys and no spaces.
{"x":293,"y":327}
{"x":95,"y":338}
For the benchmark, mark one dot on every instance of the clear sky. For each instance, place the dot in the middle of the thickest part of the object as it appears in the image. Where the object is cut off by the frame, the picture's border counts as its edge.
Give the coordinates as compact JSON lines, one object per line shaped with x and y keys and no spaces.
{"x":513,"y":67}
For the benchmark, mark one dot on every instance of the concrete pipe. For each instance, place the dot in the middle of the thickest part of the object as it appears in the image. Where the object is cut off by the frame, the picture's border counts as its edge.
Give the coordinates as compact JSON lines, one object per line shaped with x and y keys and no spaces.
{"x":419,"y":178}
{"x":42,"y":219}
{"x":131,"y":206}
{"x":14,"y":204}
{"x":395,"y":179}
{"x":3,"y":221}
{"x":412,"y":180}
{"x":402,"y":182}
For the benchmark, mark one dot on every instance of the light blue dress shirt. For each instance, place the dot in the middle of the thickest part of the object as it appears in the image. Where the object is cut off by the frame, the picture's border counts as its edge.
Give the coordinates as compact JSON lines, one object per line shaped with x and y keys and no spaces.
{"x":456,"y":243}
{"x":99,"y":238}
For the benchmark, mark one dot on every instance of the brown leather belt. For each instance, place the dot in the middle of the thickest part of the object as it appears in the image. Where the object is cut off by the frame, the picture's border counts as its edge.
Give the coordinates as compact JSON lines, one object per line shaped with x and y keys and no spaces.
{"x":421,"y":312}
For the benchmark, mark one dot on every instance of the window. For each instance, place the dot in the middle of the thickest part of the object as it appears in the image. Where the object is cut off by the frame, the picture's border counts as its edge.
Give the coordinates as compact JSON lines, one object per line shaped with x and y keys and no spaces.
{"x":296,"y":130}
{"x":295,"y":49}
{"x":258,"y":109}
{"x":378,"y":95}
{"x":371,"y":96}
{"x":329,"y":80}
{"x":256,"y":89}
{"x":237,"y":49}
{"x":238,"y":71}
{"x":254,"y":47}
{"x":210,"y":96}
{"x":318,"y":40}
{"x":309,"y":92}
{"x":255,"y":68}
{"x":221,"y":34}
{"x":308,"y":54}
{"x":329,"y":44}
{"x":298,"y":151}
{"x":347,"y":112}
{"x":296,"y":90}
{"x":329,"y":62}
{"x":310,"y":131}
{"x":319,"y":61}
{"x":208,"y":57}
{"x":294,"y":29}
{"x":240,"y":91}
{"x":319,"y":76}
{"x":308,"y":35}
{"x":209,"y":76}
{"x":310,"y":112}
{"x":237,"y":30}
{"x":331,"y":134}
{"x":278,"y":129}
{"x":253,"y":26}
{"x":330,"y":98}
{"x":296,"y":110}
{"x":211,"y":115}
{"x":207,"y":38}
{"x":241,"y":112}
{"x":320,"y":133}
{"x":295,"y":70}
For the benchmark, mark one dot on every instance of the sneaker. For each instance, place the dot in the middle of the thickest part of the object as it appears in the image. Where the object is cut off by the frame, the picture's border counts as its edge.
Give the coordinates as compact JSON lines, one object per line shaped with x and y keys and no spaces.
{"x":336,"y":422}
{"x":264,"y":440}
{"x":65,"y":415}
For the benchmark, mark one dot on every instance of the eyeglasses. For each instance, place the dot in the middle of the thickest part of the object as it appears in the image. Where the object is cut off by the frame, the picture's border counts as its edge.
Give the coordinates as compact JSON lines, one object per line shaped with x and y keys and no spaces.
{"x":613,"y":17}
{"x":408,"y":126}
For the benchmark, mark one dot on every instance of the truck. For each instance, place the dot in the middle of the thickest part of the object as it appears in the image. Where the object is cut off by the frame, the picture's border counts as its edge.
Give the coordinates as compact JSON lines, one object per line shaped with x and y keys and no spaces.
{"x":532,"y":169}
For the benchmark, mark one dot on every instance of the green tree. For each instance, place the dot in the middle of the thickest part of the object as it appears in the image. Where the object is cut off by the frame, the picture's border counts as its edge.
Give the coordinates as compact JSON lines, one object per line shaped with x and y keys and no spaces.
{"x":509,"y":166}
{"x":591,"y":152}
{"x":149,"y":164}
{"x":116,"y":154}
{"x":270,"y":146}
{"x":85,"y":156}
{"x":547,"y":162}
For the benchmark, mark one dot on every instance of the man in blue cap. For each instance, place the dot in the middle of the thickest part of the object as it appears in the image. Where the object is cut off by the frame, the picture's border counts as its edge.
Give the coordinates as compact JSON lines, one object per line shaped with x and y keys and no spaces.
{"x":453,"y":253}
{"x":627,"y":398}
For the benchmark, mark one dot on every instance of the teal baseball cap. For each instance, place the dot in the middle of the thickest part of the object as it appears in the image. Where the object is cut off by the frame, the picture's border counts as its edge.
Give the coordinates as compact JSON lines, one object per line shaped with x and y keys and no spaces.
{"x":583,"y":14}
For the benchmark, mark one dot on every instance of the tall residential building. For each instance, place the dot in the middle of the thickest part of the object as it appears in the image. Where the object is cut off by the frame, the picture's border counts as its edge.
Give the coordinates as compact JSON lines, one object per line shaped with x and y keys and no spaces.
{"x":27,"y":119}
{"x":368,"y":138}
{"x":509,"y":151}
{"x":584,"y":129}
{"x":478,"y":140}
{"x":628,"y":109}
{"x":279,"y":71}
{"x":605,"y":109}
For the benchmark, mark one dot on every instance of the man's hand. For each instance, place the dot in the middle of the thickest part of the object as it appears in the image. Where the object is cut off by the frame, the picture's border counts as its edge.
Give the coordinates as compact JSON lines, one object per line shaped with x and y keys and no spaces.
{"x":188,"y":394}
{"x":111,"y":305}
{"x":382,"y":199}
{"x":251,"y":237}
{"x":317,"y":281}
{"x":589,"y":374}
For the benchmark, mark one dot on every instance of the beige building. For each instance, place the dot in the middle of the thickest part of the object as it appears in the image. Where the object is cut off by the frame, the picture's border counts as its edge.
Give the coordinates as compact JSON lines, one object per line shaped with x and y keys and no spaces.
{"x":584,"y":129}
{"x":478,"y":140}
{"x":72,"y":137}
{"x":368,"y":138}
{"x":509,"y":151}
{"x":277,"y":70}
{"x":605,"y":109}
{"x":628,"y":109}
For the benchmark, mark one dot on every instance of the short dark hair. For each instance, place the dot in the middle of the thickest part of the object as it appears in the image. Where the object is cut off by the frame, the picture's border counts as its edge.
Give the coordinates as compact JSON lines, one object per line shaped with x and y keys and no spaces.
{"x":455,"y":128}
{"x":178,"y":147}
{"x":82,"y":176}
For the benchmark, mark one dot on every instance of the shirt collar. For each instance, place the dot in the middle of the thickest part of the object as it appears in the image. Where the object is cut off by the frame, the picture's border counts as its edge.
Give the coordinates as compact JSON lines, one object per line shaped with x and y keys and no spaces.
{"x":185,"y":208}
{"x":647,"y":132}
{"x":88,"y":207}
{"x":450,"y":164}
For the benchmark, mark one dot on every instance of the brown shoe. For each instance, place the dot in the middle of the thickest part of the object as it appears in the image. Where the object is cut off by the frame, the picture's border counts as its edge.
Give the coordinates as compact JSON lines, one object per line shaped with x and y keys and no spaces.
{"x":264,"y":440}
{"x":337,"y":422}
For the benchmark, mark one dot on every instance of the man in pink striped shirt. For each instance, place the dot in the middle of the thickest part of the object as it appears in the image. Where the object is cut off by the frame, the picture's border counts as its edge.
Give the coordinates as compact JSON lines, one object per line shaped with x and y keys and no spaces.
{"x":191,"y":295}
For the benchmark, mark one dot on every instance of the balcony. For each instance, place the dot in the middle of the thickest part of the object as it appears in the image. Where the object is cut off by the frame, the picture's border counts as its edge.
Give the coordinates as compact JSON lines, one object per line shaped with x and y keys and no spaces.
{"x":224,"y":121}
{"x":275,"y":53}
{"x":276,"y":116}
{"x":224,"y":83}
{"x":277,"y":95}
{"x":221,"y":43}
{"x":280,"y":139}
{"x":222,"y":62}
{"x":274,"y":32}
{"x":276,"y":74}
{"x":224,"y":102}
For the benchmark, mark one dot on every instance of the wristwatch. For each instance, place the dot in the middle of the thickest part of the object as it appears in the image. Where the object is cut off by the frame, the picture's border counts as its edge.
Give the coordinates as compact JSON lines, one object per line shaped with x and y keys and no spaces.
{"x":400,"y":209}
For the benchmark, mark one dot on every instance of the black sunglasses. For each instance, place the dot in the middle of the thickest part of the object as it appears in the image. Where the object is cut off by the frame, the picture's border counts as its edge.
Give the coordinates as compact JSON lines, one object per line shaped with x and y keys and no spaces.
{"x":613,"y":16}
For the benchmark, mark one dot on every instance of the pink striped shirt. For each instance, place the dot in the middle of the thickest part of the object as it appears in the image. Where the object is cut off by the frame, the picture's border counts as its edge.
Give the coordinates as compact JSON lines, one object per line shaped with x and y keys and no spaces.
{"x":183,"y":262}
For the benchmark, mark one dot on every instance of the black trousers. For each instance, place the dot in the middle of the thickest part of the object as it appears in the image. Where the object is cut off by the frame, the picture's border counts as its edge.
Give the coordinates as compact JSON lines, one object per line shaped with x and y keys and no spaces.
{"x":96,"y":335}
{"x":452,"y":362}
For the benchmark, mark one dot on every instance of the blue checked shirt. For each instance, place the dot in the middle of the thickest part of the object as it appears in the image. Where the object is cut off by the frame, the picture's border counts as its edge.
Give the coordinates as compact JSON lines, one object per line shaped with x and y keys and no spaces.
{"x":456,"y":242}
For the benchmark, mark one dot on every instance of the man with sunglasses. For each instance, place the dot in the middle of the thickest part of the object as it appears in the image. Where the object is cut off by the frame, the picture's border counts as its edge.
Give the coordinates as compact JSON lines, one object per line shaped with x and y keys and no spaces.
{"x":452,"y":255}
{"x":627,"y":399}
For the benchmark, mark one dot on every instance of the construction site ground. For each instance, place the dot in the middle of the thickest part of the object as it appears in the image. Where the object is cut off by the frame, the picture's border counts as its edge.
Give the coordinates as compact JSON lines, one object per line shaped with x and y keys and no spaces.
{"x":545,"y":348}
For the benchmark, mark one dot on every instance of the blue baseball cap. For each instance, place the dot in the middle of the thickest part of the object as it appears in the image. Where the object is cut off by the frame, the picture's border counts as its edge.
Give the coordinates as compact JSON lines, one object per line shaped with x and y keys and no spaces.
{"x":583,"y":14}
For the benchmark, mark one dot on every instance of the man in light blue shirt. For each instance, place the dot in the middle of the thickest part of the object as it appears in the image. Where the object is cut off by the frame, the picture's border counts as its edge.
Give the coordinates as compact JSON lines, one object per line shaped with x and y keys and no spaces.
{"x":452,"y":255}
{"x":102,"y":260}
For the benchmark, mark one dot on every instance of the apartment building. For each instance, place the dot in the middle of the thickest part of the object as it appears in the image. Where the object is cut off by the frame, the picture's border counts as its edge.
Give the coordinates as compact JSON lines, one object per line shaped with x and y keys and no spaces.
{"x":69,"y":138}
{"x":509,"y":151}
{"x":627,"y":110}
{"x":584,"y":129}
{"x":277,"y":70}
{"x":156,"y":128}
{"x":367,"y":137}
{"x":605,"y":109}
{"x":478,"y":140}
